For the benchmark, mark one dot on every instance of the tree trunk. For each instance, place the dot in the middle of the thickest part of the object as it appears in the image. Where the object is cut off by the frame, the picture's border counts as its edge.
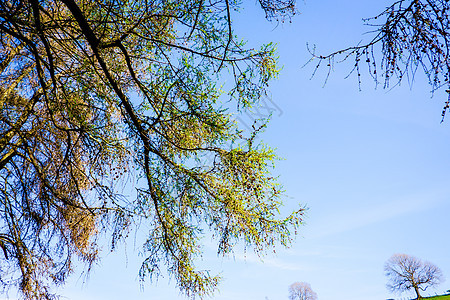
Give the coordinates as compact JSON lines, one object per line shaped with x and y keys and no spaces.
{"x":416,"y":289}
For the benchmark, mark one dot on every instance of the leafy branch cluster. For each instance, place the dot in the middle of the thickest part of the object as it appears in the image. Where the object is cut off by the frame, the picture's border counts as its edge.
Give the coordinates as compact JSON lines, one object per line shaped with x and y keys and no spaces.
{"x":95,"y":92}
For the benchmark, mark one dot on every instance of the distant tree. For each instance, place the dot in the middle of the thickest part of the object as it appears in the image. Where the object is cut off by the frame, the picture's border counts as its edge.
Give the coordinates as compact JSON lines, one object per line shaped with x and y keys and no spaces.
{"x":301,"y":291}
{"x":407,"y":272}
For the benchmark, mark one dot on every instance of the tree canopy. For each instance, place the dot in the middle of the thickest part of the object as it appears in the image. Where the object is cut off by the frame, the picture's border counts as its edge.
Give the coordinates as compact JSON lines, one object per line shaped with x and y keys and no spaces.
{"x":94,"y":93}
{"x":407,"y":272}
{"x":301,"y":291}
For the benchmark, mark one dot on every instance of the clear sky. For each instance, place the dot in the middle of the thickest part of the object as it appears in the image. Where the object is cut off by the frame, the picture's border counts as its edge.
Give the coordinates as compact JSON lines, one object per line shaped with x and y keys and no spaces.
{"x":371,"y":165}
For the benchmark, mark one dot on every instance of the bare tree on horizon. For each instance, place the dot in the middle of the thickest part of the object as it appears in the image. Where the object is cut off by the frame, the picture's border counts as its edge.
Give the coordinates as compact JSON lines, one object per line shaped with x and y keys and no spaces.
{"x":407,"y":272}
{"x":301,"y":291}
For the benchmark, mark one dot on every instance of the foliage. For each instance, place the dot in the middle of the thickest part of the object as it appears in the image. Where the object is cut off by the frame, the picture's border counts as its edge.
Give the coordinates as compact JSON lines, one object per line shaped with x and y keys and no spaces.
{"x":407,"y":272}
{"x":301,"y":291}
{"x":94,"y":93}
{"x":408,"y":35}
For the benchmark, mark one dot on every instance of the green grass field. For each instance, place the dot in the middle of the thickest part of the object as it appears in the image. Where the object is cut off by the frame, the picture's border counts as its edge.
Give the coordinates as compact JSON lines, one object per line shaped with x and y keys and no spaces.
{"x":443,"y":297}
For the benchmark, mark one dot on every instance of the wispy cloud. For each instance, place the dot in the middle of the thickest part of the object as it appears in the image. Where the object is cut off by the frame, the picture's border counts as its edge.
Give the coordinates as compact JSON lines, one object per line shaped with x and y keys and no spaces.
{"x":346,"y":220}
{"x":269,"y":262}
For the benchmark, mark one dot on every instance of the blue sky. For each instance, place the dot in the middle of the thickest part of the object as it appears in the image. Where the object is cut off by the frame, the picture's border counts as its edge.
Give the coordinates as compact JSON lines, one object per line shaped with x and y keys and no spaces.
{"x":371,"y":166}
